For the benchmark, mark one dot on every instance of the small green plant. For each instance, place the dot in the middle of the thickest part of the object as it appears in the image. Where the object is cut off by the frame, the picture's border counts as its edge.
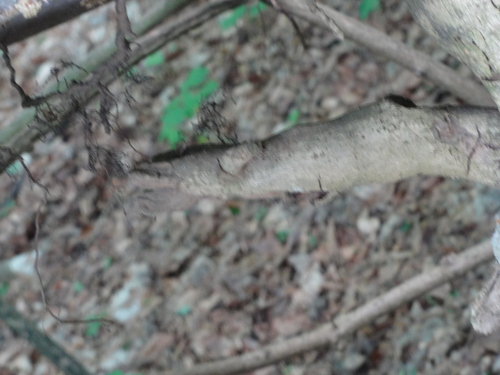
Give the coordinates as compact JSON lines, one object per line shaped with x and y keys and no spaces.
{"x":92,"y":328}
{"x":234,"y":210}
{"x":156,"y":58}
{"x":293,"y":116}
{"x":367,"y":7}
{"x":184,"y":310}
{"x":261,"y":213}
{"x":78,"y":287}
{"x":239,"y":12}
{"x":282,"y":236}
{"x":6,"y":207}
{"x":195,"y":88}
{"x":312,"y":241}
{"x":107,"y":262}
{"x":405,"y":227}
{"x":4,"y":288}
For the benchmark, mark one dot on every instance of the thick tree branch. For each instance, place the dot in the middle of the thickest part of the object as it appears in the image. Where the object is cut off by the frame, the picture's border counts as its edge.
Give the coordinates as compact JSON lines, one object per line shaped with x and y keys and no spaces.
{"x":383,"y":45}
{"x":345,"y":324}
{"x":379,"y":143}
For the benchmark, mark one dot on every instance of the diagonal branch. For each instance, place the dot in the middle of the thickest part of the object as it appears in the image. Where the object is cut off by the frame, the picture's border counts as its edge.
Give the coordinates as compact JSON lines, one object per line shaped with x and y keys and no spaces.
{"x":347,"y":323}
{"x":383,"y":45}
{"x":382,"y":142}
{"x":46,"y":346}
{"x":20,"y":139}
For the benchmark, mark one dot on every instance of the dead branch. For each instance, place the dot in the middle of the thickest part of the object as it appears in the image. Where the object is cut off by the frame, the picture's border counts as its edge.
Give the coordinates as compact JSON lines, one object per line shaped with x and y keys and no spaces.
{"x":383,"y":45}
{"x":345,"y":324}
{"x":382,"y":142}
{"x":20,"y":138}
{"x":26,"y":329}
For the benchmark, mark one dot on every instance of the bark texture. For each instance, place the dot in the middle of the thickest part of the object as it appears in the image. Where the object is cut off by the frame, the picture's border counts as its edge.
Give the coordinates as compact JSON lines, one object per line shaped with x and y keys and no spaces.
{"x":20,"y":19}
{"x":469,"y":30}
{"x":378,"y":143}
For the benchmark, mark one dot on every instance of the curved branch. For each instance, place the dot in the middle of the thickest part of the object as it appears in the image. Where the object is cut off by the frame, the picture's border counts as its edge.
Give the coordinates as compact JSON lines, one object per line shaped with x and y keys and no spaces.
{"x":378,"y":143}
{"x":348,"y":323}
{"x":383,"y":45}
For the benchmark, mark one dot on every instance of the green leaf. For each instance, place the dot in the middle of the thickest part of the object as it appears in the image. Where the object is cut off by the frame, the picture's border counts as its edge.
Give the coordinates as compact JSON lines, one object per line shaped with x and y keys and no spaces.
{"x":261,"y":213}
{"x":293,"y":116}
{"x":173,"y":117}
{"x":195,"y":78}
{"x":231,"y":20}
{"x":209,"y":88}
{"x":368,"y":6}
{"x":154,"y":59}
{"x":78,"y":287}
{"x":454,"y":293}
{"x":106,"y":263}
{"x":312,"y":241}
{"x":201,"y":140}
{"x":282,"y":235}
{"x":256,"y":9}
{"x":183,"y":310}
{"x":93,"y":327}
{"x":193,"y":91}
{"x":6,"y":207}
{"x":234,"y":210}
{"x":405,"y":227}
{"x":4,"y":288}
{"x":14,"y":168}
{"x":191,"y":102}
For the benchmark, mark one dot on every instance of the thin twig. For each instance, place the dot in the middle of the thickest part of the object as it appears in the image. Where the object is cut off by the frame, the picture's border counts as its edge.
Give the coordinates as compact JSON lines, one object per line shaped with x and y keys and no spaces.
{"x":347,"y":323}
{"x":42,"y":288}
{"x":383,"y":45}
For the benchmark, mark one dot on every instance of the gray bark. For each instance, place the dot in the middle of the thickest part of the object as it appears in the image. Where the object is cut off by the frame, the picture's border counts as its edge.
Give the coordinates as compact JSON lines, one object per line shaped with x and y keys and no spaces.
{"x":378,"y":143}
{"x":469,"y":30}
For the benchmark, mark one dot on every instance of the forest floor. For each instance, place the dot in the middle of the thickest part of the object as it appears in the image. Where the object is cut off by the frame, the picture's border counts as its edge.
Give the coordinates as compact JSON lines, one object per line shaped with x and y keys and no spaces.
{"x":225,"y":278}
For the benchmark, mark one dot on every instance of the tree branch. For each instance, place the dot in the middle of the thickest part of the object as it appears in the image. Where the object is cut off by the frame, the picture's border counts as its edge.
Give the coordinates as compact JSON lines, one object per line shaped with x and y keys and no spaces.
{"x":378,"y":143}
{"x":50,"y":349}
{"x":468,"y":29}
{"x":17,"y":139}
{"x":383,"y":45}
{"x":347,"y":323}
{"x":22,"y":19}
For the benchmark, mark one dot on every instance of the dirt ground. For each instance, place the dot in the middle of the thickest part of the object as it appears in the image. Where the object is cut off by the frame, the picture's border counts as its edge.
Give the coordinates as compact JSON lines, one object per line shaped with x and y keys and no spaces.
{"x":225,"y":278}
